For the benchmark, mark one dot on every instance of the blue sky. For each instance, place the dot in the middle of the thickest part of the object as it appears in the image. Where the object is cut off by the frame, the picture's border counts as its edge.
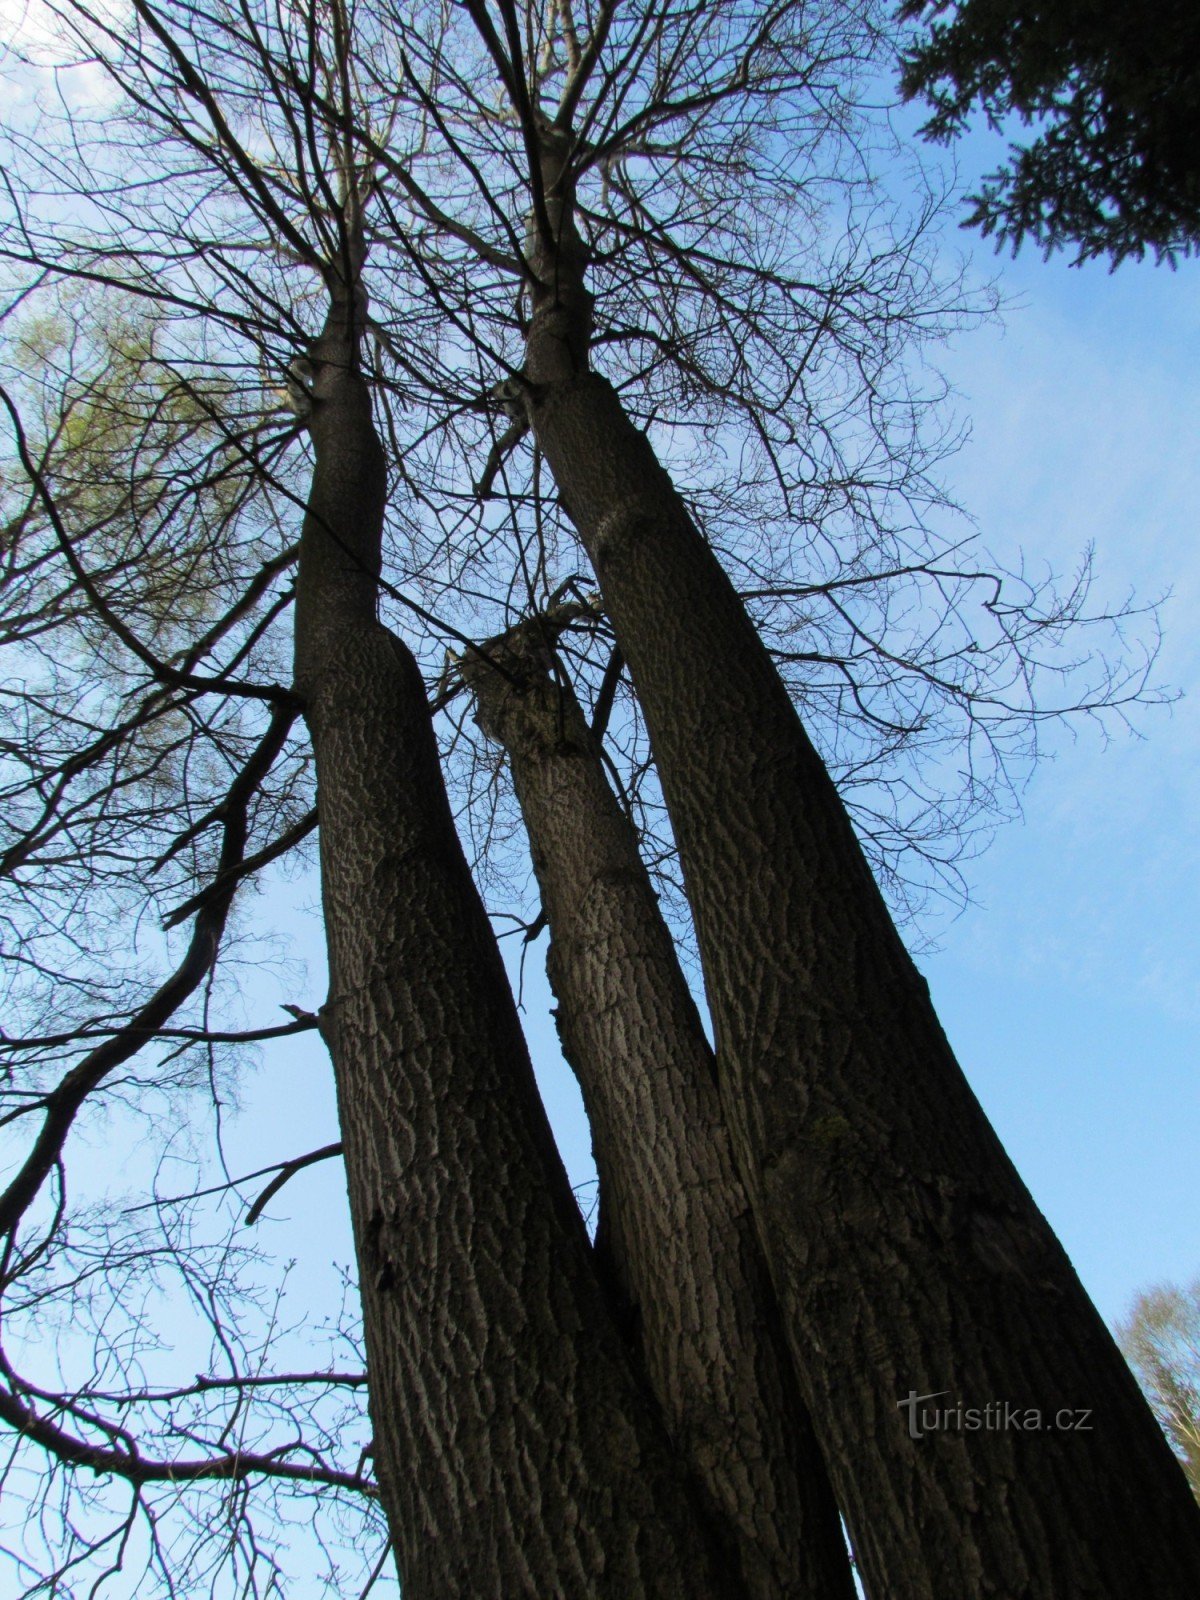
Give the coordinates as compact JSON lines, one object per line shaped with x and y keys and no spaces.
{"x":1069,"y":986}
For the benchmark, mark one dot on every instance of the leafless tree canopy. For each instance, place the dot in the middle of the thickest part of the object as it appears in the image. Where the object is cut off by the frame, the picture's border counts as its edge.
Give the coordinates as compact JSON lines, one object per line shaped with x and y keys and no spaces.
{"x":1160,"y":1335}
{"x":182,"y":182}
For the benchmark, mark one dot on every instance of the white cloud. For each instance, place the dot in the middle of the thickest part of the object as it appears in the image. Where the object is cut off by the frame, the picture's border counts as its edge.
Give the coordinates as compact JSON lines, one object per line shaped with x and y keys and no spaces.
{"x":40,"y":50}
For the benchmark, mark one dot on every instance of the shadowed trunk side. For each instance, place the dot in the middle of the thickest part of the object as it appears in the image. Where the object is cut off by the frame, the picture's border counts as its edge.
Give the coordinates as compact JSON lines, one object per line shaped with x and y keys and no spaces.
{"x":517,"y":1452}
{"x":907,"y":1254}
{"x":675,"y":1218}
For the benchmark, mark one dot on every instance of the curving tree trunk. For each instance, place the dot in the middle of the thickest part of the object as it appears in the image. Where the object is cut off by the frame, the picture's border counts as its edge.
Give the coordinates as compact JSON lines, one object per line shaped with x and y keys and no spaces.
{"x":517,"y":1452}
{"x":674,"y":1216}
{"x":907,"y":1254}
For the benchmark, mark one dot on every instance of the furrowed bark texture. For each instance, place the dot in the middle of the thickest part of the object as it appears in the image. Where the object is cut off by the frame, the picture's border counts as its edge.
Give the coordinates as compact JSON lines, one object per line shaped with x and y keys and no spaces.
{"x":675,"y":1217}
{"x":907,"y":1255}
{"x":517,"y":1453}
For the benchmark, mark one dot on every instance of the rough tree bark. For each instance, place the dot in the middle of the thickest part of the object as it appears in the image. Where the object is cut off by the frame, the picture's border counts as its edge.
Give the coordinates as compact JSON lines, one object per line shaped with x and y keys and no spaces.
{"x":517,"y":1450}
{"x":675,"y":1221}
{"x":907,"y":1254}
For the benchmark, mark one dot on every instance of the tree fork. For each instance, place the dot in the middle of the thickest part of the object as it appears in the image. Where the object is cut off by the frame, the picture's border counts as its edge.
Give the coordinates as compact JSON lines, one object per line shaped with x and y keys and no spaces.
{"x":517,"y":1452}
{"x":675,"y":1216}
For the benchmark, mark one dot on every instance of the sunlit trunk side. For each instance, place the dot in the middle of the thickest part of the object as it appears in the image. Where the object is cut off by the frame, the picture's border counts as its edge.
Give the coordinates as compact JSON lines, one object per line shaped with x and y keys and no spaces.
{"x":516,"y":1452}
{"x":906,"y":1252}
{"x":676,"y":1223}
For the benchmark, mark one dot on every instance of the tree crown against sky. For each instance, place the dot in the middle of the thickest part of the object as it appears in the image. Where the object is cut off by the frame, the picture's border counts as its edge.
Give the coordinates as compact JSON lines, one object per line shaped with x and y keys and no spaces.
{"x":1160,"y":1335}
{"x":766,"y":305}
{"x":192,"y":559}
{"x":1110,"y":99}
{"x":121,"y":779}
{"x":731,"y":226}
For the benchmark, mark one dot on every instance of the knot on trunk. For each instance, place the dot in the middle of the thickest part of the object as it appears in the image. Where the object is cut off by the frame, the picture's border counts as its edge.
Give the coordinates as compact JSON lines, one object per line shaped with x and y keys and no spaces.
{"x":517,"y":671}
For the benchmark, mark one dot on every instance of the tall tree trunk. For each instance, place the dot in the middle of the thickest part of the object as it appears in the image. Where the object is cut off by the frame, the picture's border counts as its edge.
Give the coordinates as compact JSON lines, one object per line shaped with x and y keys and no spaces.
{"x":908,"y":1256}
{"x":517,"y":1453}
{"x":674,"y":1213}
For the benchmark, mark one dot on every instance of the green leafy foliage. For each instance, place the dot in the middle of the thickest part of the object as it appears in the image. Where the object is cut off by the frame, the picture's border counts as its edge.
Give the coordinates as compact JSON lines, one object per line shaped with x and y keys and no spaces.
{"x":1111,"y":96}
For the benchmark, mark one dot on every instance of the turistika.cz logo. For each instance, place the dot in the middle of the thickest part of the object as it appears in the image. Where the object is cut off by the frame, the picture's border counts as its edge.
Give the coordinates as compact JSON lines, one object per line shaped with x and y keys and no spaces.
{"x":998,"y":1416}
